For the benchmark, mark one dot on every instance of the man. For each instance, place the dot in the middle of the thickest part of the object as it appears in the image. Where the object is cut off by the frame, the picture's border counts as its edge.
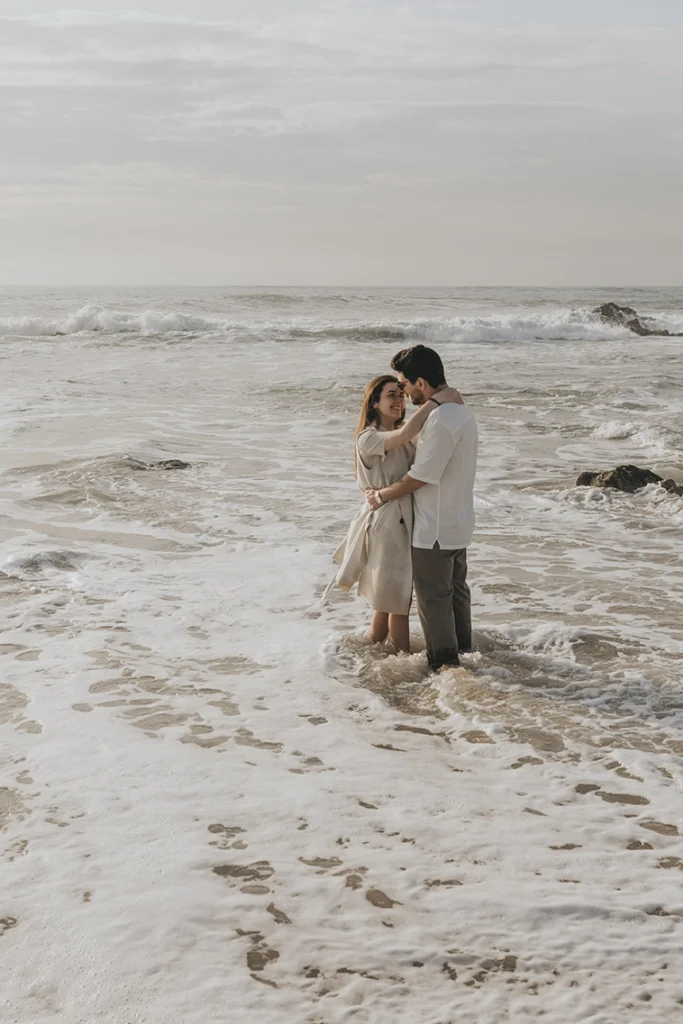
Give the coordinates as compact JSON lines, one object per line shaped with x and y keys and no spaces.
{"x":441,"y":481}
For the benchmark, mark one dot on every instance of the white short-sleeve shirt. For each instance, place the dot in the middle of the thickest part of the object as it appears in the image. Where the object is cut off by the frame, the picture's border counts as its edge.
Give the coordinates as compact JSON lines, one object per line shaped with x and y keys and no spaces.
{"x":446,"y":461}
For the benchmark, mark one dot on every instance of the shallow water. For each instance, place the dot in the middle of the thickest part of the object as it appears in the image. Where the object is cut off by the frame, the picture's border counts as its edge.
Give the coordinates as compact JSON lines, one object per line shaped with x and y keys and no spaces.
{"x":212,"y":787}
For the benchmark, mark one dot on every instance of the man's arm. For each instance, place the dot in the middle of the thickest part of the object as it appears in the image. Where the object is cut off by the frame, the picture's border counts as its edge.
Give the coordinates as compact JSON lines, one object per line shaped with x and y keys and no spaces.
{"x":398,"y":490}
{"x":433,"y":454}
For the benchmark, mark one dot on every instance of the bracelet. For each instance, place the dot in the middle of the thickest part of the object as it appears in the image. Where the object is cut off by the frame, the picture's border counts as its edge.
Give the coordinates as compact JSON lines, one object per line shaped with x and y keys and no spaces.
{"x":379,"y":496}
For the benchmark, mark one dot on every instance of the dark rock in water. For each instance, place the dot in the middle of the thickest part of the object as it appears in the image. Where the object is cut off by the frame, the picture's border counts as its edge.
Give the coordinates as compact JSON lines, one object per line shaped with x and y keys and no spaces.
{"x":585,"y":479}
{"x":672,"y":487}
{"x":617,"y":314}
{"x":624,"y":316}
{"x":138,"y":464}
{"x":171,"y":464}
{"x":624,"y":478}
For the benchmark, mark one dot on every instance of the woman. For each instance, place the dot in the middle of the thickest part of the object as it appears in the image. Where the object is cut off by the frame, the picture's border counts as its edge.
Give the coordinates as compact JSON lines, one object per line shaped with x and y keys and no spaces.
{"x":376,"y":551}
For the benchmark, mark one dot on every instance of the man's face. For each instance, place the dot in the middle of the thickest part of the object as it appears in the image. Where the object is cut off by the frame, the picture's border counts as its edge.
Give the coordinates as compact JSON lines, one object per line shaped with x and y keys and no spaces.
{"x":415,"y":392}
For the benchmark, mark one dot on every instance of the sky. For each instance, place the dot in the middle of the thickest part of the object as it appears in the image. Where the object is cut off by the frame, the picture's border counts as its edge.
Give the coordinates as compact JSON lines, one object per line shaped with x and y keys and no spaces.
{"x":491,"y":142}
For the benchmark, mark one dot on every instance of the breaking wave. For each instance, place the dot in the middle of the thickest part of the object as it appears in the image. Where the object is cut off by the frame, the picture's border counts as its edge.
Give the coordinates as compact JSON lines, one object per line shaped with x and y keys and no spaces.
{"x":553,"y":325}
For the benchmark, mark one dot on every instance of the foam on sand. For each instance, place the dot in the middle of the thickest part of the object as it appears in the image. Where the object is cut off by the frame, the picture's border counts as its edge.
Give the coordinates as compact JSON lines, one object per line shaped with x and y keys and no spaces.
{"x":217,"y":799}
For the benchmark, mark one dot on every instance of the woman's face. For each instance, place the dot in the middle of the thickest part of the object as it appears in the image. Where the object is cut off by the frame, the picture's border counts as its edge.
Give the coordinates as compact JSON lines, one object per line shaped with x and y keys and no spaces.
{"x":391,"y":404}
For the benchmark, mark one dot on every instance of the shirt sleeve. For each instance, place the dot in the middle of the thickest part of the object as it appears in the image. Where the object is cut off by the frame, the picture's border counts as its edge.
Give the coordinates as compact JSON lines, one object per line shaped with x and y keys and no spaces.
{"x":433,"y":452}
{"x":370,"y":443}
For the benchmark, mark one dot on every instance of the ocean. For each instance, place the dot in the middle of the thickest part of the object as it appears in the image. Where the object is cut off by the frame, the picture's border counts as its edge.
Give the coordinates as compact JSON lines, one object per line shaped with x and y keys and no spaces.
{"x":218,"y":802}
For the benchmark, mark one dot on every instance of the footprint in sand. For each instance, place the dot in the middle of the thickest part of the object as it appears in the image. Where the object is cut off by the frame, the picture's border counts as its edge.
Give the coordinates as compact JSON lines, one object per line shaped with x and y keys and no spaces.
{"x":315,"y":719}
{"x":380,"y":899}
{"x":152,"y":714}
{"x":477,"y":736}
{"x":323,"y":864}
{"x":226,"y":705}
{"x":611,"y":798}
{"x":260,"y":870}
{"x":201,"y":736}
{"x":195,"y":631}
{"x":354,"y":876}
{"x":526,"y":760}
{"x":309,"y":764}
{"x":35,"y":728}
{"x":12,"y":703}
{"x":19,"y":848}
{"x":485,"y":969}
{"x":622,"y":798}
{"x":252,"y":875}
{"x":667,"y":863}
{"x":618,"y":768}
{"x":259,"y":955}
{"x":660,"y":828}
{"x":246,"y":738}
{"x":12,"y":807}
{"x":278,"y":915}
{"x":539,"y":739}
{"x":227,"y":837}
{"x":235,"y":666}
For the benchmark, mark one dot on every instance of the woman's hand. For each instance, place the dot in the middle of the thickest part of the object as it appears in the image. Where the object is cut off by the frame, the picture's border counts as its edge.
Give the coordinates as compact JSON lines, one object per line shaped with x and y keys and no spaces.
{"x":412,"y":427}
{"x":373,"y":498}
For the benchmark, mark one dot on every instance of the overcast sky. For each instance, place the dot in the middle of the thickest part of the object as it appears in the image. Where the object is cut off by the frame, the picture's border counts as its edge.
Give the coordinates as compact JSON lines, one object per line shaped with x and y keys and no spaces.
{"x":284,"y":142}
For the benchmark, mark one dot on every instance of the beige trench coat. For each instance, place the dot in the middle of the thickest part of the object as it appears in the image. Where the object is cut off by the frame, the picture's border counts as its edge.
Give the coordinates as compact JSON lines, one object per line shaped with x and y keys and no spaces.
{"x":376,"y":551}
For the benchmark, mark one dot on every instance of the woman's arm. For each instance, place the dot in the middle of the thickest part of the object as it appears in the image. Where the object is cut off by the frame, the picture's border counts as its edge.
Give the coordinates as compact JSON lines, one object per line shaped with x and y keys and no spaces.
{"x":412,"y":427}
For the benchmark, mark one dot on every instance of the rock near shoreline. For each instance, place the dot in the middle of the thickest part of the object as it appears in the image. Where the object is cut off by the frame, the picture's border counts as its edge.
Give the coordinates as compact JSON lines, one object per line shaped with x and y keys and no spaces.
{"x":628,"y":479}
{"x":624,"y":316}
{"x":140,"y":466}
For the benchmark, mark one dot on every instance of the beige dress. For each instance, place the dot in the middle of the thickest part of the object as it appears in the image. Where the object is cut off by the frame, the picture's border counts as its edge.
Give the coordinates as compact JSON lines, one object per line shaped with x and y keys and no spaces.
{"x":376,"y":552}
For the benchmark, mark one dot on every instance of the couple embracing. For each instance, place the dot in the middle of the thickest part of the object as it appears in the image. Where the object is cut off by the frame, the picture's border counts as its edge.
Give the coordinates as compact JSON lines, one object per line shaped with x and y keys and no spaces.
{"x":418,"y":479}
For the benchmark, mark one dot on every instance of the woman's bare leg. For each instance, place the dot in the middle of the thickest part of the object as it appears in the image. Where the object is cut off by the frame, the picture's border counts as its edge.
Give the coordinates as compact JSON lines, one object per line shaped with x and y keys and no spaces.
{"x":399,"y":631}
{"x":379,"y":630}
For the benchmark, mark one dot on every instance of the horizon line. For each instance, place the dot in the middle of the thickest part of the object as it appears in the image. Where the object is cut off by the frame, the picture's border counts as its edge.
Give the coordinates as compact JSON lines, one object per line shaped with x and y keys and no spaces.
{"x":353,"y":287}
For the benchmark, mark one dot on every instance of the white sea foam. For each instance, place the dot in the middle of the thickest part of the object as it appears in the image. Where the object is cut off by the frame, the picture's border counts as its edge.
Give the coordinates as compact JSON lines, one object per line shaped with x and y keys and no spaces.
{"x":553,"y":325}
{"x":92,"y":319}
{"x":660,"y":443}
{"x":221,"y":792}
{"x":38,"y":562}
{"x":615,"y":430}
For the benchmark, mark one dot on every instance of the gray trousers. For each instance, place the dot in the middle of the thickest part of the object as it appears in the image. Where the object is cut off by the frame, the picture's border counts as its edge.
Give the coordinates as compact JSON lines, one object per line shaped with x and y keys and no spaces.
{"x":443,"y":603}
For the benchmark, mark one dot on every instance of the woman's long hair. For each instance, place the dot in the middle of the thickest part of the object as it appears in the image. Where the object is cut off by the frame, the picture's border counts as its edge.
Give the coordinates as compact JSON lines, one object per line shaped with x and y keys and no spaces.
{"x":369,"y":416}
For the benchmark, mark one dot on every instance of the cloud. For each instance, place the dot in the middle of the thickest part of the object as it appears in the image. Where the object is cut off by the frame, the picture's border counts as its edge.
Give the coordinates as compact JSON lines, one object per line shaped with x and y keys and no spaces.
{"x":372,"y":107}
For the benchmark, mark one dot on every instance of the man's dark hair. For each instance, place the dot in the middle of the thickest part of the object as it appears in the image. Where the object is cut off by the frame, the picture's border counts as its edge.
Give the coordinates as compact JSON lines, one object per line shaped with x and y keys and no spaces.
{"x":420,"y":361}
